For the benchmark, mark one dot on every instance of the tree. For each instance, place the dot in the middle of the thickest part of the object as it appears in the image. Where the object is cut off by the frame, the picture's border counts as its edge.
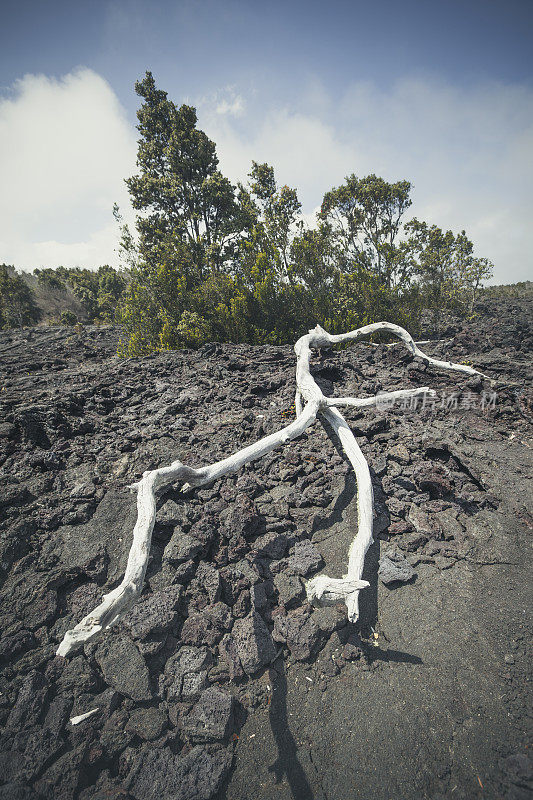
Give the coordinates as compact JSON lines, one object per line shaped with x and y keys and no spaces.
{"x":365,"y":215}
{"x":50,"y":278}
{"x":17,"y":303}
{"x":445,"y":267}
{"x":472,"y":276}
{"x":179,"y":188}
{"x":237,"y":263}
{"x":277,"y":211}
{"x":111,"y":286}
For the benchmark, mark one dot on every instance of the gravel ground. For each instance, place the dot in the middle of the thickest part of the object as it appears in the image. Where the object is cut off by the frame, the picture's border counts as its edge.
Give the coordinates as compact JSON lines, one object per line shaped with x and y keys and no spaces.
{"x":222,"y":682}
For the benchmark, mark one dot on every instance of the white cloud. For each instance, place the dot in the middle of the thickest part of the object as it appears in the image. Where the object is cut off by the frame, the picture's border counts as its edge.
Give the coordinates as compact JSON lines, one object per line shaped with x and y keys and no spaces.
{"x":65,"y":149}
{"x":233,"y":107}
{"x":467,"y":152}
{"x":223,"y":102}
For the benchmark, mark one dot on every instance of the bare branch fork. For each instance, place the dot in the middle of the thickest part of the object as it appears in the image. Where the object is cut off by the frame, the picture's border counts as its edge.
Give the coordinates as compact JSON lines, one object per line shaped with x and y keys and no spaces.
{"x":310,"y":402}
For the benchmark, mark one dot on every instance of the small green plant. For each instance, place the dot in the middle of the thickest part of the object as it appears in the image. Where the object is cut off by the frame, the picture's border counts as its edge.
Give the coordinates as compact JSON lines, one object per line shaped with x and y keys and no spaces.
{"x":68,"y":318}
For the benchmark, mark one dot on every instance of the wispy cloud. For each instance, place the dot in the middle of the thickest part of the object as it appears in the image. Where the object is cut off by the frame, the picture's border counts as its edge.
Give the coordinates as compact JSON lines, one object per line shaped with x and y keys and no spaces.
{"x":233,"y":107}
{"x":223,"y":102}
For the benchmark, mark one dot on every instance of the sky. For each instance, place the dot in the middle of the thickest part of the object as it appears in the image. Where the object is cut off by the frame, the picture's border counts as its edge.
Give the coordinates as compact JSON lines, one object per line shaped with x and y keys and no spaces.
{"x":438,"y":92}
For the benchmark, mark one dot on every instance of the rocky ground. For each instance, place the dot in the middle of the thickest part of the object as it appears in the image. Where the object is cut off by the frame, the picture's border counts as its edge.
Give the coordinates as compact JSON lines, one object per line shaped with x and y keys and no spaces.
{"x":222,"y":682}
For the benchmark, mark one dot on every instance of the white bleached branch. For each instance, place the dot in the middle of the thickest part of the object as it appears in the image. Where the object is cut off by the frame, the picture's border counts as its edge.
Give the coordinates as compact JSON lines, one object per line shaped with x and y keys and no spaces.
{"x":321,"y":589}
{"x":82,"y":717}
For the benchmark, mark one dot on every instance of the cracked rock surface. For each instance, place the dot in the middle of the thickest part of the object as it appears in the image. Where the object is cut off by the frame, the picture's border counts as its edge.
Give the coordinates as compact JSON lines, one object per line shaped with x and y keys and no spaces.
{"x":222,"y":682}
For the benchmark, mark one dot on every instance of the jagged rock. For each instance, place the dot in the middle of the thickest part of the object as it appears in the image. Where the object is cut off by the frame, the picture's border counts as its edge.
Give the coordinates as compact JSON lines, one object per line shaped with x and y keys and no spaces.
{"x":209,"y":579}
{"x":433,"y":478}
{"x":106,"y":702}
{"x":271,"y":545}
{"x":172,"y":513}
{"x":105,"y":789}
{"x":254,"y":643}
{"x":83,"y":599}
{"x":40,"y":610}
{"x":114,"y":736}
{"x":329,"y":618}
{"x":399,"y":453}
{"x":154,"y":614}
{"x":84,"y":473}
{"x":258,"y":596}
{"x":448,"y":523}
{"x":305,"y":558}
{"x":186,"y":673}
{"x":13,"y":644}
{"x":124,"y":667}
{"x":211,"y":719}
{"x":161,"y":775}
{"x":298,"y":631}
{"x":399,"y":527}
{"x":420,"y":520}
{"x":208,"y":626}
{"x":16,"y":791}
{"x":228,"y":652}
{"x":62,"y":778}
{"x":412,"y":541}
{"x":393,"y":568}
{"x":77,"y":674}
{"x":379,"y":466}
{"x":148,"y":723}
{"x":181,"y":547}
{"x":242,"y":519}
{"x":290,"y":589}
{"x":30,"y":701}
{"x":395,"y":506}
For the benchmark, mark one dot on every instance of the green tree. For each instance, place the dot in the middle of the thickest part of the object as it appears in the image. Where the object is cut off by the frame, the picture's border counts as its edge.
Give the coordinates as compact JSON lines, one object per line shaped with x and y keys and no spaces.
{"x":179,"y":189}
{"x":276,"y":211}
{"x":447,"y":271}
{"x":111,"y":286}
{"x":17,"y":303}
{"x":365,"y":215}
{"x":472,"y":276}
{"x":50,"y":278}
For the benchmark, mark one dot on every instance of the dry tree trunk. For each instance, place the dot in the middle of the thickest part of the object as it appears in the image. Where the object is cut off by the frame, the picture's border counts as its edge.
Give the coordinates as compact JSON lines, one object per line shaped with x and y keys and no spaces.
{"x":310,"y":402}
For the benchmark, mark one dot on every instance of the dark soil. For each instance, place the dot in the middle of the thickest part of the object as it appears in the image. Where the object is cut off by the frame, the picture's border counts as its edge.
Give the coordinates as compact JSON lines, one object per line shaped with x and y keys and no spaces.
{"x":222,"y":682}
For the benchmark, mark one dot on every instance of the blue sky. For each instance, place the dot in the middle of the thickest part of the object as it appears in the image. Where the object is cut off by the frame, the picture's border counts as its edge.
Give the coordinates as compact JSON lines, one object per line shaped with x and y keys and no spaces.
{"x":440,"y":93}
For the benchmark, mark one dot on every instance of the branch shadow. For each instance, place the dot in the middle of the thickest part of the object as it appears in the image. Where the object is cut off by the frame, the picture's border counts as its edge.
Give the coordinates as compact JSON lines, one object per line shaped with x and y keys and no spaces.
{"x":287,"y":763}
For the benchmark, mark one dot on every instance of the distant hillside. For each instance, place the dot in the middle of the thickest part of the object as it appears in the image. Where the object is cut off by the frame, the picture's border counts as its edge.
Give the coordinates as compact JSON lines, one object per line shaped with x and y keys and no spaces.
{"x":52,"y":301}
{"x":522,"y":289}
{"x":59,"y":296}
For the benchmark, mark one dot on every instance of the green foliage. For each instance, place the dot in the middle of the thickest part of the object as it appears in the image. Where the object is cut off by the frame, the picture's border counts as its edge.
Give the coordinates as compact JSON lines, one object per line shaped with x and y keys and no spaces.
{"x":236,"y":263}
{"x":98,"y":291}
{"x":50,"y":278}
{"x":68,"y":318}
{"x":181,"y":193}
{"x":523,"y":289}
{"x":17,"y":303}
{"x":365,"y":217}
{"x":192,"y":329}
{"x":214,"y":261}
{"x":448,"y":273}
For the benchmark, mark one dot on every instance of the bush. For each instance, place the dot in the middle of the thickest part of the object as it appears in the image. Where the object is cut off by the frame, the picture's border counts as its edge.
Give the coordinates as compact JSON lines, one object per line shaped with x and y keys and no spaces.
{"x":68,"y":318}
